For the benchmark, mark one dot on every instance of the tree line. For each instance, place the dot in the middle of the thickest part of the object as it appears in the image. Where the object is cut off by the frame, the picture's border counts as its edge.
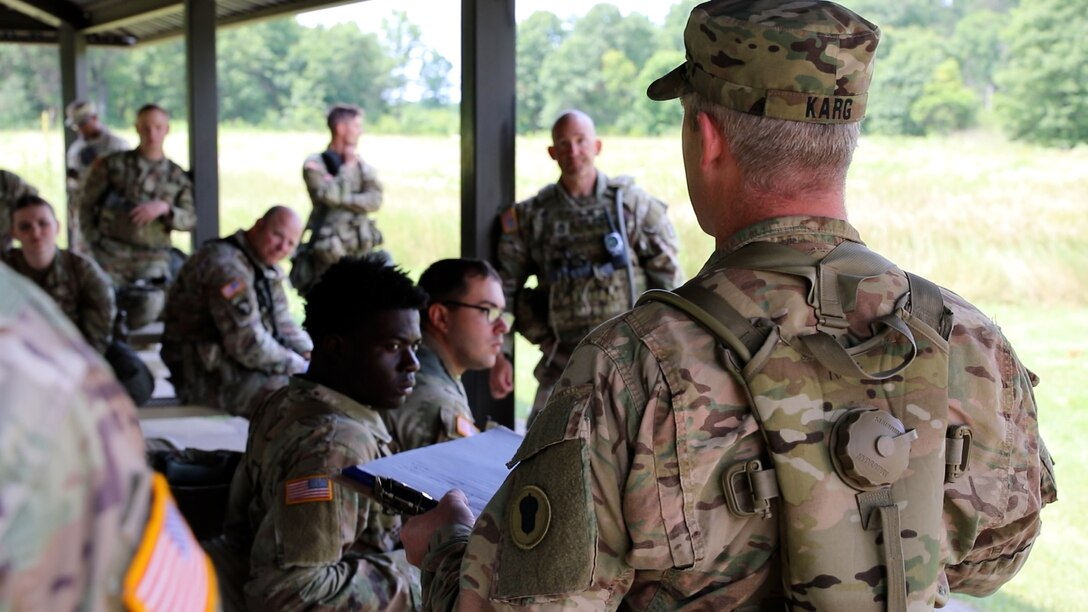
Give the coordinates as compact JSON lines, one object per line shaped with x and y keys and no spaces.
{"x":943,"y":65}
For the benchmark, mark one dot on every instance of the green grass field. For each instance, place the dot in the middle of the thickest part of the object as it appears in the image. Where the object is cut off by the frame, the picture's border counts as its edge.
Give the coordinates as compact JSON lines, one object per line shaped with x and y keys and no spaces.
{"x":1004,"y":224}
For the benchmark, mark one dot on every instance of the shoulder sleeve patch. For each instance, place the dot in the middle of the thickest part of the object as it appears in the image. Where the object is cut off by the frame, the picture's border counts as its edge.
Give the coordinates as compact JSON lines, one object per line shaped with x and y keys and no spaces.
{"x":170,"y":570}
{"x":316,"y":488}
{"x":509,"y":220}
{"x":233,"y":288}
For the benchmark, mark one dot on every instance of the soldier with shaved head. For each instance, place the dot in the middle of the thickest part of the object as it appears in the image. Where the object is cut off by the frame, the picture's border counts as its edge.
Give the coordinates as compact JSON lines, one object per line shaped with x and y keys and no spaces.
{"x":228,"y":334}
{"x":803,"y":425}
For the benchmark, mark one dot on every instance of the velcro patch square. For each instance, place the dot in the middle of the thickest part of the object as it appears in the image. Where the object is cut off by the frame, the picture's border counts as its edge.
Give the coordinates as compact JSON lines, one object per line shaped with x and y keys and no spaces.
{"x":308,"y":489}
{"x":233,"y":288}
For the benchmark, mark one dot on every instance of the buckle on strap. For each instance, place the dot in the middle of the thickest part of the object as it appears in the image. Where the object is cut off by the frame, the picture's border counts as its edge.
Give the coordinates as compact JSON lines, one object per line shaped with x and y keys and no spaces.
{"x":749,"y":489}
{"x":957,"y":451}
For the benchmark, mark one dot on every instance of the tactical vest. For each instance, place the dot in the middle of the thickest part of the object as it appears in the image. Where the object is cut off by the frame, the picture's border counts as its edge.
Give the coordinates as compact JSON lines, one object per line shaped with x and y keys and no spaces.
{"x":262,"y":286}
{"x":857,"y":437}
{"x":586,"y":262}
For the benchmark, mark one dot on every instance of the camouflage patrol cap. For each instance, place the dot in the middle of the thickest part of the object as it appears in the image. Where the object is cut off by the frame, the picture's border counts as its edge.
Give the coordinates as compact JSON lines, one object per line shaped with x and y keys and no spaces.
{"x":79,"y":112}
{"x":807,"y":60}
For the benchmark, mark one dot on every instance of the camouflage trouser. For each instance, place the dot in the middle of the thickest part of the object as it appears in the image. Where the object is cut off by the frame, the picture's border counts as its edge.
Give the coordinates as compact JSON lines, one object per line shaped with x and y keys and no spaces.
{"x":202,"y":376}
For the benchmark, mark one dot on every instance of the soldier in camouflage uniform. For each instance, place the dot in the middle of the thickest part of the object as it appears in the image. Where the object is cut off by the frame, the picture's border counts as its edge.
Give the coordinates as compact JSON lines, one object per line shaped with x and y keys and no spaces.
{"x":228,"y":335}
{"x":637,"y":486}
{"x":310,"y":542}
{"x":463,"y":327}
{"x":11,"y":189}
{"x":83,"y":517}
{"x":344,"y":191}
{"x":130,"y":203}
{"x":94,"y":140}
{"x":590,"y":261}
{"x":80,"y":288}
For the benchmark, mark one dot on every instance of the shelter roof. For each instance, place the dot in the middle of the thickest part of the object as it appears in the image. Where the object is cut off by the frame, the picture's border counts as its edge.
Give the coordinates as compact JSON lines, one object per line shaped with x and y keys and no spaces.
{"x":129,"y":22}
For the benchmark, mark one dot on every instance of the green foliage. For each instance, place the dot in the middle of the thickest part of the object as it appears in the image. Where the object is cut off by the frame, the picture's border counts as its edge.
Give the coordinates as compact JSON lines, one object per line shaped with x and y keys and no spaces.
{"x":978,"y":47}
{"x":909,"y":60}
{"x":946,"y":104}
{"x":538,"y":37}
{"x":1043,"y":84}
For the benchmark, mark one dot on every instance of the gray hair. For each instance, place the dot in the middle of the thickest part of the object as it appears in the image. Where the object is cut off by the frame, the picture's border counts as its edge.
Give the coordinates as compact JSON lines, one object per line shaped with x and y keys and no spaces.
{"x":778,"y":156}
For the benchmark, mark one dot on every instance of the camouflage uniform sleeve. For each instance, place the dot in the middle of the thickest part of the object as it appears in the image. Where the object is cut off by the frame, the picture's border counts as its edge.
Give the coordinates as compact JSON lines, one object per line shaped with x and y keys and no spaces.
{"x":318,"y":565}
{"x":990,"y":390}
{"x":94,"y":186}
{"x":232,"y":302}
{"x":182,"y":215}
{"x":561,"y":511}
{"x":297,"y":339}
{"x":654,"y":240}
{"x":97,"y":308}
{"x":339,"y":191}
{"x":515,"y":265}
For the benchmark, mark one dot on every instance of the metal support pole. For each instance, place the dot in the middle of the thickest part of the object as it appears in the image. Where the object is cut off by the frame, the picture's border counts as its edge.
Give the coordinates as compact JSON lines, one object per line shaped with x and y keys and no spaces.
{"x":203,"y":116}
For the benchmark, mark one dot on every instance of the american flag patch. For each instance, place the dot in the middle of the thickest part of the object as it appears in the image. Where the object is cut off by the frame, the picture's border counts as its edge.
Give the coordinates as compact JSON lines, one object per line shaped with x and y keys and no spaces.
{"x":170,"y":571}
{"x":308,"y":489}
{"x":509,"y":220}
{"x":232,"y":288}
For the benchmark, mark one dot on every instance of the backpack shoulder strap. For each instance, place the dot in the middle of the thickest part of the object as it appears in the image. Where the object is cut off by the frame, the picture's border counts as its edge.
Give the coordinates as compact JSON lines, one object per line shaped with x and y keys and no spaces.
{"x":715,"y":314}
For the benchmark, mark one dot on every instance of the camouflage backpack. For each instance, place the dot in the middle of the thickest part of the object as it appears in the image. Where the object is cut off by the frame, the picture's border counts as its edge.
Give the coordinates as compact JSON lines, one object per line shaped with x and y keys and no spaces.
{"x":859,"y":445}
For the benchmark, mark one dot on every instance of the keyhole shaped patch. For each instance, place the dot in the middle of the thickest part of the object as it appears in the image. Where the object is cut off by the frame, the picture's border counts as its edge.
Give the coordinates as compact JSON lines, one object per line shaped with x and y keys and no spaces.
{"x":529,"y":517}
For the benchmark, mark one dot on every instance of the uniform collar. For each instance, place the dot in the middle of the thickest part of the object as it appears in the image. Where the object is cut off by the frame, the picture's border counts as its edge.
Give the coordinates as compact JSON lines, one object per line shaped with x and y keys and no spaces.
{"x":430,"y":359}
{"x":343,"y":405}
{"x":787,"y":230}
{"x":272,"y":272}
{"x":599,"y":188}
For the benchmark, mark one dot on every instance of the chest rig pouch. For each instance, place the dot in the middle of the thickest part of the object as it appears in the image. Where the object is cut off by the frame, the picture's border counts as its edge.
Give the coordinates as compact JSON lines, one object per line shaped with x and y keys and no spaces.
{"x":855,"y":429}
{"x":587,"y":264}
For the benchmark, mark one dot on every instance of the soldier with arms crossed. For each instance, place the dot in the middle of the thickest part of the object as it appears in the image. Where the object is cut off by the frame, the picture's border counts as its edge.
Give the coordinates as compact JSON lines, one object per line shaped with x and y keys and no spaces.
{"x":344,"y":191}
{"x":312,"y":543}
{"x":228,"y":335}
{"x":463,"y":327}
{"x":130,"y":203}
{"x":803,"y":446}
{"x":594,"y":244}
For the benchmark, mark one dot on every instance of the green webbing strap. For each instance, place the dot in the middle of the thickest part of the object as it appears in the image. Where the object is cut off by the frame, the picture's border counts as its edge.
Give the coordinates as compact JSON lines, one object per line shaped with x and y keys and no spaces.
{"x":842,"y":361}
{"x":896,"y":579}
{"x":927,"y":304}
{"x":713,"y":313}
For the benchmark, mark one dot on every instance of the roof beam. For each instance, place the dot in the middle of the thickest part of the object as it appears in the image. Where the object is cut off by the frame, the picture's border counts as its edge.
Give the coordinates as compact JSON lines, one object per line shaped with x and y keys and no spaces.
{"x":120,"y":15}
{"x":51,"y":12}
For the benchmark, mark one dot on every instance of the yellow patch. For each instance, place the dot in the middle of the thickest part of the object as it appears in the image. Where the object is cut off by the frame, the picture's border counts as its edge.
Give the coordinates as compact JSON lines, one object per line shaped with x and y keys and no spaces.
{"x":529,"y":517}
{"x":233,"y":288}
{"x":465,"y":427}
{"x":170,"y":570}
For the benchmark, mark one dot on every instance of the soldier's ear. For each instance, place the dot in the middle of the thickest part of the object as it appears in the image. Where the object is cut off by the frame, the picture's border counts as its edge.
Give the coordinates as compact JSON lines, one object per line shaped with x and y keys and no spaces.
{"x":336,"y":346}
{"x":711,"y":140}
{"x":438,"y":316}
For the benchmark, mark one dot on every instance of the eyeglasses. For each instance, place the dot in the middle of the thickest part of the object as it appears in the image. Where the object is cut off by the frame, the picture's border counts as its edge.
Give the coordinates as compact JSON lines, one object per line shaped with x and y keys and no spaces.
{"x":493,"y":313}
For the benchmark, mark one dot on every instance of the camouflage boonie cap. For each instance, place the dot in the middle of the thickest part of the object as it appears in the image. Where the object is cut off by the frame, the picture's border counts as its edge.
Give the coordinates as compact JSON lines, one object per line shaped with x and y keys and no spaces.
{"x":800,"y":61}
{"x":79,"y":112}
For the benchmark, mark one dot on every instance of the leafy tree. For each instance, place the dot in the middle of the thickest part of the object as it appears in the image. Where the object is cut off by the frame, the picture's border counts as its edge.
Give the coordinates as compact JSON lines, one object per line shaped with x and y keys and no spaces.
{"x":647,"y":116}
{"x":537,"y":38}
{"x":340,"y":64}
{"x":946,"y":103}
{"x":1043,"y":84}
{"x":401,"y":40}
{"x":30,"y":82}
{"x":978,"y":47}
{"x":255,"y":70}
{"x":435,"y":79}
{"x":907,"y":61}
